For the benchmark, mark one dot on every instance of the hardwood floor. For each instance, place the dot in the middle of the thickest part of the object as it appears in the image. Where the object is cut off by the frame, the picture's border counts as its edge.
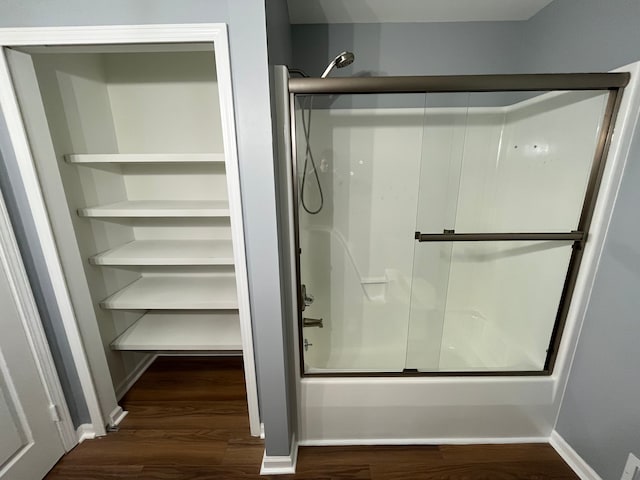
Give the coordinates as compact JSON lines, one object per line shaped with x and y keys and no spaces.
{"x":188,"y":421}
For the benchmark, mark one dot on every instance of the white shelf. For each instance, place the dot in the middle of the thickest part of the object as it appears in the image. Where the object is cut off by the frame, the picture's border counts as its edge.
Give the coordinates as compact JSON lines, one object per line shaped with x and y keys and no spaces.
{"x":145,"y":158}
{"x":168,"y":252}
{"x":176,"y":292}
{"x":159,"y":208}
{"x":163,"y":331}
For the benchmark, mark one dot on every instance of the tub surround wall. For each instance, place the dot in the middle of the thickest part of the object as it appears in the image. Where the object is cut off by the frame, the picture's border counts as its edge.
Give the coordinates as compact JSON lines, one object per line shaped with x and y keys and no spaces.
{"x":358,"y":250}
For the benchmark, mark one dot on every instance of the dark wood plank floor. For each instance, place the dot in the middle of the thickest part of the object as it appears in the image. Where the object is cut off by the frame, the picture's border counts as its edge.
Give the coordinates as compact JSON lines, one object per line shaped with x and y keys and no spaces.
{"x":188,"y":421}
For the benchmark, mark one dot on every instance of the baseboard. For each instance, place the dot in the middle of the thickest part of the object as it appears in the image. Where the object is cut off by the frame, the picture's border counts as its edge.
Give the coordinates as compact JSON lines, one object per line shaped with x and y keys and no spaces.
{"x":281,"y":465}
{"x":421,"y":441}
{"x":573,"y":459}
{"x":124,"y":386}
{"x":117,"y":416}
{"x":85,"y":432}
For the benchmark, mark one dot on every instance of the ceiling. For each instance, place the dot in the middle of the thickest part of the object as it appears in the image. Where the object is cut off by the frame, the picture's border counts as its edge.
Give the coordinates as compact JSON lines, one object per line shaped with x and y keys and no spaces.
{"x":403,"y":11}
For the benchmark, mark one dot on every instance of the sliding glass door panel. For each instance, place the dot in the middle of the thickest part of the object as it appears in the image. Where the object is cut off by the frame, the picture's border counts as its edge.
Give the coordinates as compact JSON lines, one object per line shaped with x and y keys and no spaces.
{"x":500,"y":308}
{"x":358,"y":177}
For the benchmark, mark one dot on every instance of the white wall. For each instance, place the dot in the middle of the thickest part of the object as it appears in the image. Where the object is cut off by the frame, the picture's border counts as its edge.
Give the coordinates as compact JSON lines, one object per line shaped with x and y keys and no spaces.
{"x":165,"y":102}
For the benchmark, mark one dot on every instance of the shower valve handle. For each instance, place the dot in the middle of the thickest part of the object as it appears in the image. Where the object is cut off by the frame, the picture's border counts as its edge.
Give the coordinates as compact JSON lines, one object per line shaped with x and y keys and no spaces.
{"x":307,"y":298}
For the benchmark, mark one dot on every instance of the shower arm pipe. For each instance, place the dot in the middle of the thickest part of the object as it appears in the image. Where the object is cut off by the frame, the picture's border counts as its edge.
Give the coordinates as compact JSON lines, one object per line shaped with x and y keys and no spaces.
{"x":575,"y":236}
{"x":460,"y":83}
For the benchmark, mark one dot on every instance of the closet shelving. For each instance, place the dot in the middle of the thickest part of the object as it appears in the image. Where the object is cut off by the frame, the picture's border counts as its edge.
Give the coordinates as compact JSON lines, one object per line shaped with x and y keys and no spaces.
{"x":87,"y":158}
{"x":158,"y":208}
{"x":175,"y":293}
{"x":168,"y":252}
{"x":195,"y":331}
{"x":192,"y":310}
{"x":129,"y":144}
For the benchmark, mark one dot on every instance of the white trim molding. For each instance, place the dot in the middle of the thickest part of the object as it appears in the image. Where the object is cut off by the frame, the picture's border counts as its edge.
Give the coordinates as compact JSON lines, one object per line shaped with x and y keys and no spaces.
{"x":112,"y":34}
{"x":116,"y":416}
{"x":572,"y":458}
{"x":85,"y":432}
{"x":280,"y":465}
{"x":212,"y":33}
{"x":422,"y":441}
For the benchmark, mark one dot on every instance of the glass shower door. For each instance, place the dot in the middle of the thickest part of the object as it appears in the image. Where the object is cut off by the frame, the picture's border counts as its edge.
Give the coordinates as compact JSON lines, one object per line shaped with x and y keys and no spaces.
{"x":502,"y":187}
{"x":444,"y":140}
{"x":358,"y":161}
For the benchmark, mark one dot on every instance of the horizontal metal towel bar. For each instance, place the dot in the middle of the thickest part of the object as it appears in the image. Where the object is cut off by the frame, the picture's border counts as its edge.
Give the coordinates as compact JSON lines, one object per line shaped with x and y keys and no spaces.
{"x":496,"y":237}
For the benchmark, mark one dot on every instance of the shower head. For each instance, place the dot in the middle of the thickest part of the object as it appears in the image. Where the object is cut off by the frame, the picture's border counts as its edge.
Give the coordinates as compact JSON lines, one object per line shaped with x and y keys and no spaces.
{"x":342,"y":60}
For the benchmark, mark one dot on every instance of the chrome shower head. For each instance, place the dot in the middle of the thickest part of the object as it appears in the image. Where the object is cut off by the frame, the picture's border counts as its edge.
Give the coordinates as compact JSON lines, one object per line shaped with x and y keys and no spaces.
{"x":342,"y":60}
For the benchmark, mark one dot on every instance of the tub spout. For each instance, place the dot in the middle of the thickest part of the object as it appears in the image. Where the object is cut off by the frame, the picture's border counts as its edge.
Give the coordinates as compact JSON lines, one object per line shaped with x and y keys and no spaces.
{"x":312,"y":322}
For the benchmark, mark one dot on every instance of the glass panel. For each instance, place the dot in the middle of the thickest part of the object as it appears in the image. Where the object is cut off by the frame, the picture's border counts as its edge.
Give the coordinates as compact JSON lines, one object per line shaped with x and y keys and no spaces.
{"x":525,"y":160}
{"x":357,"y":236}
{"x":430,"y":286}
{"x":445,"y":129}
{"x":373,"y":169}
{"x":501,"y":304}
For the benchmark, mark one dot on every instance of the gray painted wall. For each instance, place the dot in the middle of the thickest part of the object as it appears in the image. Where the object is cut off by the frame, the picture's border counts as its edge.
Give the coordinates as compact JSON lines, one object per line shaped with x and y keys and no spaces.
{"x":247,"y":32}
{"x":280,"y":53}
{"x":408,"y":48}
{"x":255,"y":144}
{"x":600,"y":414}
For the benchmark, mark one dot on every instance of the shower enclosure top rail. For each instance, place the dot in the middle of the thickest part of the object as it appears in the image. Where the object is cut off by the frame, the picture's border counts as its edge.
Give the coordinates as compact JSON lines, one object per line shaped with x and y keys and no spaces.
{"x":460,"y":83}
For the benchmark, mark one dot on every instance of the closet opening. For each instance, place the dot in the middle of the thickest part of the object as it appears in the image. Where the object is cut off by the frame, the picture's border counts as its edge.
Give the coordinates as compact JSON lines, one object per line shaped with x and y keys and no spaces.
{"x":129,"y":144}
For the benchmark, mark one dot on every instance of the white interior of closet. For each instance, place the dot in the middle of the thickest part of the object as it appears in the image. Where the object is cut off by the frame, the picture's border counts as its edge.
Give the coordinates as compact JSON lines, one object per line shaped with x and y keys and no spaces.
{"x":133,"y":174}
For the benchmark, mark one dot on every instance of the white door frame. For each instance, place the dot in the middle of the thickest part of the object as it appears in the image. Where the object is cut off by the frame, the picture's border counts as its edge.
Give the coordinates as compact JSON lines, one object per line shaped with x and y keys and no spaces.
{"x":215,"y":33}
